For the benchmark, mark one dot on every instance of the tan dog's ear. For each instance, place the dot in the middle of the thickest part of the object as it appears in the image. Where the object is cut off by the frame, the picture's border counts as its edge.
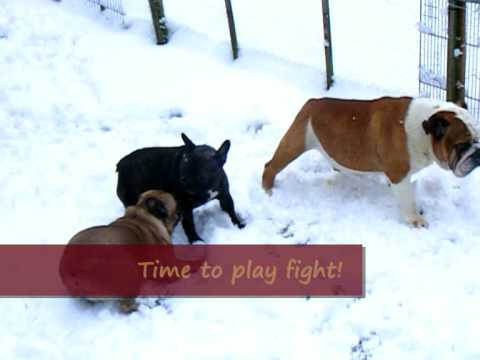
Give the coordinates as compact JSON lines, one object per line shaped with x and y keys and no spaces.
{"x":437,"y":126}
{"x":156,"y":208}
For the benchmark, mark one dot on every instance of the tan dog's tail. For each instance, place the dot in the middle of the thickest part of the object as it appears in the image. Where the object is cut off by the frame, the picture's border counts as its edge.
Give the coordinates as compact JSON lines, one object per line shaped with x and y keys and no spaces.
{"x":291,"y":146}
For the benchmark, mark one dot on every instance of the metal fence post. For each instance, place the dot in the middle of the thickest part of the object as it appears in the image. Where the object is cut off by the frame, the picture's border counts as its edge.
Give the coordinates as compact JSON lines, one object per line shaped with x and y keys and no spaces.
{"x":327,"y":42}
{"x":456,"y":51}
{"x":231,"y":28}
{"x":159,"y":21}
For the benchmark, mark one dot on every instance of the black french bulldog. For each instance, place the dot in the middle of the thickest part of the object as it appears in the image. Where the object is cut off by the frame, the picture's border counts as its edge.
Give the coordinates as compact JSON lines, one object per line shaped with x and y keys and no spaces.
{"x":192,"y":173}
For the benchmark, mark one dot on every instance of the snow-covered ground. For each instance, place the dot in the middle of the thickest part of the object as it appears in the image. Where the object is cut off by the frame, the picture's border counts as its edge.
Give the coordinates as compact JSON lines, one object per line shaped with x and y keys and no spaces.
{"x":78,"y":91}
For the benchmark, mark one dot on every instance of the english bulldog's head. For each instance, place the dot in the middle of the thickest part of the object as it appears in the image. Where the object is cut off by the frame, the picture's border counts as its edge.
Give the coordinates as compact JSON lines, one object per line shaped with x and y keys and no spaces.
{"x":455,"y":139}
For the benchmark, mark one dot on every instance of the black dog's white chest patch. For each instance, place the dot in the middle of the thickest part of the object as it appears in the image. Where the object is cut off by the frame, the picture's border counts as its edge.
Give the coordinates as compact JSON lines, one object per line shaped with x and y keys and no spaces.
{"x":212,"y":194}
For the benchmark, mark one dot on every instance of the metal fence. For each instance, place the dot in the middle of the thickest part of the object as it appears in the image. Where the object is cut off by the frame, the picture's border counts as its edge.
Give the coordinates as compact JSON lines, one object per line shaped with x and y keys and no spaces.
{"x":472,"y":66}
{"x":434,"y":36}
{"x":112,"y":5}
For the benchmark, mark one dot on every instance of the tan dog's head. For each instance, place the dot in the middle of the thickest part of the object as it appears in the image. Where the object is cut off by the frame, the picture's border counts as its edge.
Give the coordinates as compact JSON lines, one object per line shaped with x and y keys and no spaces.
{"x":160,"y":204}
{"x":454,"y":139}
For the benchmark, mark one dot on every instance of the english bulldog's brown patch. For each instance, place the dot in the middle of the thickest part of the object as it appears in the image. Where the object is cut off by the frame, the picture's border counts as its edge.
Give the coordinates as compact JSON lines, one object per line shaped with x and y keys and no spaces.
{"x":362,"y":135}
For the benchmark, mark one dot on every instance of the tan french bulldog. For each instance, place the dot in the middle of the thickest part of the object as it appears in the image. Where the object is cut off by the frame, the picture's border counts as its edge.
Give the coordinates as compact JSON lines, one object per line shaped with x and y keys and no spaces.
{"x":150,"y":221}
{"x":396,"y":136}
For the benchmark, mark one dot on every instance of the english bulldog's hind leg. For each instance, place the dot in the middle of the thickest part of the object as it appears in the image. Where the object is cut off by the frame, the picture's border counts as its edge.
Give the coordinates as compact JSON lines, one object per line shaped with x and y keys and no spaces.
{"x":291,"y":146}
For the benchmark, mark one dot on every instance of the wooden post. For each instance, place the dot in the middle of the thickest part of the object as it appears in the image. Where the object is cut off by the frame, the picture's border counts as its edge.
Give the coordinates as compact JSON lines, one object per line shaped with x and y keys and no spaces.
{"x":159,"y":21}
{"x":231,"y":27}
{"x":456,"y":51}
{"x":327,"y":43}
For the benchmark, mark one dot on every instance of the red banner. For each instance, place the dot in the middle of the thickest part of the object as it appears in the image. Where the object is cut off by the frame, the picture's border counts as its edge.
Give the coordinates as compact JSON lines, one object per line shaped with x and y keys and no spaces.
{"x":181,"y":270}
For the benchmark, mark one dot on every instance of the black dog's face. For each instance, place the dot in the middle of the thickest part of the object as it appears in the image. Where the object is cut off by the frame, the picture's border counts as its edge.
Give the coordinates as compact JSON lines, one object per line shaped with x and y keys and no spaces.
{"x":201,"y":169}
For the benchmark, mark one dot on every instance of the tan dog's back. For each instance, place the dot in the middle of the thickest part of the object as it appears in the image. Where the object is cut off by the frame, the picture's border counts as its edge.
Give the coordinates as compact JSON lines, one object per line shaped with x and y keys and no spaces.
{"x":134,"y":228}
{"x":137,"y":227}
{"x":121,"y":232}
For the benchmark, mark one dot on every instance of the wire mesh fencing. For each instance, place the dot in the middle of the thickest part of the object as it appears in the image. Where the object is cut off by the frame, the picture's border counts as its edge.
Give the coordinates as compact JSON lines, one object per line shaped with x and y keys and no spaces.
{"x":113,"y":5}
{"x":472,"y":52}
{"x":434,"y":37}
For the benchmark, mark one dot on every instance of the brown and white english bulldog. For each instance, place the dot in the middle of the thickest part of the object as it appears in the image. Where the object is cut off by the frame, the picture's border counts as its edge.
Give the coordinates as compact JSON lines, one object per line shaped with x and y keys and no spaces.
{"x":396,"y":136}
{"x":150,"y":222}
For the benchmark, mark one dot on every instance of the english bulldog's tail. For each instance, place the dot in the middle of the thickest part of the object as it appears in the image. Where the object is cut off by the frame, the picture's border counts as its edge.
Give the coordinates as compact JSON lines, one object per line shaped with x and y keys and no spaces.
{"x":291,"y":146}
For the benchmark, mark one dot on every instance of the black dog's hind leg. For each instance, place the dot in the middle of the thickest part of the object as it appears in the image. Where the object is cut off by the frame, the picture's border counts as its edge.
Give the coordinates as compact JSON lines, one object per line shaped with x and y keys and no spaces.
{"x":189,"y":226}
{"x":226,"y":203}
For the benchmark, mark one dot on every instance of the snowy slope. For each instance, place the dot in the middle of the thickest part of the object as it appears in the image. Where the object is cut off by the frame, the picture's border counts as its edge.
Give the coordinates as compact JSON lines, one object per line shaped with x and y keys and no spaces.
{"x":78,"y":91}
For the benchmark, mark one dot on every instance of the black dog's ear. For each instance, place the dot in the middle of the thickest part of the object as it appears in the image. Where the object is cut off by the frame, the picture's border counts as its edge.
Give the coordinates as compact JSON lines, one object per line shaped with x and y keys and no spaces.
{"x":156,"y":208}
{"x":436,"y":125}
{"x":223,"y":151}
{"x":188,"y":143}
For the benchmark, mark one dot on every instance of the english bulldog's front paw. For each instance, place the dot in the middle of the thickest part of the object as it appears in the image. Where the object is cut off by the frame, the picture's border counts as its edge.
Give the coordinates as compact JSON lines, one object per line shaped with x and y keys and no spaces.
{"x":417,"y":221}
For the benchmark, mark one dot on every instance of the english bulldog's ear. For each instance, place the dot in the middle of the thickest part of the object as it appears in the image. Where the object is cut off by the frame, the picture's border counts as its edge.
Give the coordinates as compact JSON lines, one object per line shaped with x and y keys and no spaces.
{"x":462,"y":104}
{"x":156,"y":208}
{"x":223,"y":151}
{"x":436,"y":125}
{"x":188,"y":143}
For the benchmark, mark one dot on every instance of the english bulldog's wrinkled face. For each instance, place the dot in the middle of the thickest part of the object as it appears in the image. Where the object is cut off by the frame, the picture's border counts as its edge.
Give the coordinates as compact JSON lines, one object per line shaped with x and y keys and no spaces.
{"x":455,"y":146}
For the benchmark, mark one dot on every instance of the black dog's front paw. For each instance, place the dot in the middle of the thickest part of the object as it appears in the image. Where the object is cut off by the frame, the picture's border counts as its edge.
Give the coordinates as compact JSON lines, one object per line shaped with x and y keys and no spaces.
{"x":241,"y":224}
{"x":238,"y":221}
{"x":198,"y":241}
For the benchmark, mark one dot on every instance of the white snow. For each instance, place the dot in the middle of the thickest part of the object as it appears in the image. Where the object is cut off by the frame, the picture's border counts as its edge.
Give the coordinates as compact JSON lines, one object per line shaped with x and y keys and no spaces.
{"x":78,"y":91}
